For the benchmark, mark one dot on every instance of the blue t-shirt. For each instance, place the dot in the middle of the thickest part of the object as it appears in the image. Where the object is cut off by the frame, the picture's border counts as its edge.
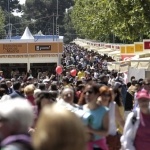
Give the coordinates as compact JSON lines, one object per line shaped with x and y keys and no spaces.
{"x":94,"y":118}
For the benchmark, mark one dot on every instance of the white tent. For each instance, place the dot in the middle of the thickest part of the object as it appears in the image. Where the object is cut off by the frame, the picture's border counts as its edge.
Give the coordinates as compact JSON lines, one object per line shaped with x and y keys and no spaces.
{"x":39,"y":33}
{"x":27,"y":34}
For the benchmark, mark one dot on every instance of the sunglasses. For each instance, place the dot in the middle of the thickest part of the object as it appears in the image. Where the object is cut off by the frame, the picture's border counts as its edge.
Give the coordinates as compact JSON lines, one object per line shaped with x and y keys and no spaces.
{"x":88,"y":92}
{"x":106,"y":95}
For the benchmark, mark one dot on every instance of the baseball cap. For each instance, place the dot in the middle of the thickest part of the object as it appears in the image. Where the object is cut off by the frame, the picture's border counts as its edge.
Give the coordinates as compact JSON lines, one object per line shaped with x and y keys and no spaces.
{"x":143,"y":94}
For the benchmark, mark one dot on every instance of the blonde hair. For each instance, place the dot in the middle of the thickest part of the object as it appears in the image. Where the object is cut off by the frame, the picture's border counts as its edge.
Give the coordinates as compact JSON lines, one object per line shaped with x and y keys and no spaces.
{"x":29,"y":89}
{"x":59,"y":129}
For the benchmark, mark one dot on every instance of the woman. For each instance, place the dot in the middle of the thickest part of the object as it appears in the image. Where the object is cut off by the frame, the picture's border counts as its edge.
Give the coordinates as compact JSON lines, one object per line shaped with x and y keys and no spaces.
{"x":106,"y":99}
{"x":59,"y":129}
{"x":42,"y":99}
{"x":29,"y":92}
{"x":98,"y":121}
{"x":136,"y":135}
{"x":119,"y":104}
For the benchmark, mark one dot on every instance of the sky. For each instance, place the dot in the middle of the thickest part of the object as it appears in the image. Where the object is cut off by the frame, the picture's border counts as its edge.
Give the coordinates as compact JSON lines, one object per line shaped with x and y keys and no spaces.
{"x":19,"y":14}
{"x":22,"y":1}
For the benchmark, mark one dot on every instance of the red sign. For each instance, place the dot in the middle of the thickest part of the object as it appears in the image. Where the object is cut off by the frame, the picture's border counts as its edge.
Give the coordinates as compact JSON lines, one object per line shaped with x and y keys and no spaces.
{"x":126,"y":57}
{"x":147,"y":45}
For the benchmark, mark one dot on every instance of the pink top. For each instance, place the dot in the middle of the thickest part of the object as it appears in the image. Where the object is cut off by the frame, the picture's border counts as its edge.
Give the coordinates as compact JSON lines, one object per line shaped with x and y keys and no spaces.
{"x":142,"y":139}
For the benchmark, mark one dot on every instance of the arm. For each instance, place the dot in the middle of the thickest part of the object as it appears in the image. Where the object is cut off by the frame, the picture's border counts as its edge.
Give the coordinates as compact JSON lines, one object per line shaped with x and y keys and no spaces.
{"x":127,"y":139}
{"x":105,"y":127}
{"x":118,"y":116}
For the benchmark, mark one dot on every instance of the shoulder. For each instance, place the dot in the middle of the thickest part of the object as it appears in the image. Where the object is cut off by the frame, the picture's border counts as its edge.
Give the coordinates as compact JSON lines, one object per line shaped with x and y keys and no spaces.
{"x":15,"y":146}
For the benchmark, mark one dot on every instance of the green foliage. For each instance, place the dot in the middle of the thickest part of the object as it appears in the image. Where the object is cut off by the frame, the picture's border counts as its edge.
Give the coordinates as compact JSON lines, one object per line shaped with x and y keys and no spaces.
{"x":39,"y":14}
{"x":2,"y":19}
{"x":70,"y":33}
{"x":13,"y":5}
{"x":127,"y":19}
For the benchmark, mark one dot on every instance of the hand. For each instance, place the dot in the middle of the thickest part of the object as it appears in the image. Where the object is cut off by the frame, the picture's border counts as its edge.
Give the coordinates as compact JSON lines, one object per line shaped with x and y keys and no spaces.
{"x":90,"y":130}
{"x":31,"y":130}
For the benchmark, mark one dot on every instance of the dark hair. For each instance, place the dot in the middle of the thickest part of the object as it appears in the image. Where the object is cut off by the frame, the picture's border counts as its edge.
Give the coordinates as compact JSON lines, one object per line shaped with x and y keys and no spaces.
{"x":128,"y":84}
{"x":16,"y":85}
{"x":94,"y":86}
{"x":54,"y":86}
{"x":40,"y":96}
{"x":4,"y":86}
{"x":42,"y":86}
{"x":117,"y":98}
{"x":133,"y":77}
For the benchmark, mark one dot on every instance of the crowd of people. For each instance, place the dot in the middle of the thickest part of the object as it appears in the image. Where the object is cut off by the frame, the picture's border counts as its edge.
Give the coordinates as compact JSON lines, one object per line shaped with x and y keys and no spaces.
{"x":96,"y":109}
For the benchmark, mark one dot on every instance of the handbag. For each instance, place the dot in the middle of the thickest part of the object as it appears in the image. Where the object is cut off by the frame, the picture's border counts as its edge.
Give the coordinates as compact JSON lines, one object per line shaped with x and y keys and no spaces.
{"x":113,"y":142}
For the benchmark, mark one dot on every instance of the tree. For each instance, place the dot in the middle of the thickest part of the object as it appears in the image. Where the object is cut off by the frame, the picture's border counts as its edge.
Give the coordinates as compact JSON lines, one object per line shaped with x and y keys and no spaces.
{"x":127,"y":19}
{"x":70,"y":33}
{"x":10,"y":5}
{"x":2,"y":19}
{"x":39,"y":13}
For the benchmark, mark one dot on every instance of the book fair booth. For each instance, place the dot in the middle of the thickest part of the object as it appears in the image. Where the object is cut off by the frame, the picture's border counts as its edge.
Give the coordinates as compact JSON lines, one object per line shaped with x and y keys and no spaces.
{"x":29,"y":53}
{"x":132,"y":59}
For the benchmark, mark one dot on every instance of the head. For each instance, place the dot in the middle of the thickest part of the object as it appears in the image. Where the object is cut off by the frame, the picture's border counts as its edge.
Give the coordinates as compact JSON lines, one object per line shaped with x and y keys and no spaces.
{"x":106,"y":95}
{"x":65,"y":80}
{"x":143,"y":98}
{"x":63,"y":127}
{"x":42,"y":86}
{"x":132,"y":78}
{"x":17,"y":86}
{"x":16,"y":116}
{"x":44,"y":98}
{"x":91,"y":92}
{"x":146,"y":84}
{"x":118,"y":86}
{"x":8,"y":83}
{"x":68,"y":95}
{"x":29,"y":89}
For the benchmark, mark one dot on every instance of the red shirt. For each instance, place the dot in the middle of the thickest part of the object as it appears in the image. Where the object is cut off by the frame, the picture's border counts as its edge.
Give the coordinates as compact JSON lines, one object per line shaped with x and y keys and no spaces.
{"x":31,"y":99}
{"x":142,"y":139}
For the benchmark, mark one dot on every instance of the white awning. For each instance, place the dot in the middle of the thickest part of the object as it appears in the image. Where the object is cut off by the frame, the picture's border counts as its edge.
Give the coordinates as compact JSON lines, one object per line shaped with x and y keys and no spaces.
{"x":134,"y":64}
{"x":143,"y":65}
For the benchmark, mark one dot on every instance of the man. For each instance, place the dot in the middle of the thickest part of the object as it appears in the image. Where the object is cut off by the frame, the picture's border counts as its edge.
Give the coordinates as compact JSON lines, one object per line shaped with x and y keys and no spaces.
{"x":15,"y":119}
{"x":17,"y":90}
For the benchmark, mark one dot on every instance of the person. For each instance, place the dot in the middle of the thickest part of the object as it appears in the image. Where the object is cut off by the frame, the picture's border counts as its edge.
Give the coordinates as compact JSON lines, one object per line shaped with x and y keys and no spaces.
{"x":29,"y":93}
{"x":95,"y":117}
{"x":17,"y":90}
{"x":59,"y":129}
{"x":136,"y":131}
{"x":16,"y":116}
{"x":107,"y":99}
{"x":42,"y":99}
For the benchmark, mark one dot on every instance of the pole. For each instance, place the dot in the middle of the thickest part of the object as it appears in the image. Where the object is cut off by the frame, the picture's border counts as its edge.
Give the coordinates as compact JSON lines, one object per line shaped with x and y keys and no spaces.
{"x":9,"y":30}
{"x":58,"y":33}
{"x":53,"y":26}
{"x":56,"y":20}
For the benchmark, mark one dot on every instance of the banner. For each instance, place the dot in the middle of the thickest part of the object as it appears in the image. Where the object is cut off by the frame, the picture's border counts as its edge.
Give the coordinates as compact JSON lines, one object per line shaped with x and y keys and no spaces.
{"x":122,"y":49}
{"x":146,"y":45}
{"x":138,"y":47}
{"x":129,"y":49}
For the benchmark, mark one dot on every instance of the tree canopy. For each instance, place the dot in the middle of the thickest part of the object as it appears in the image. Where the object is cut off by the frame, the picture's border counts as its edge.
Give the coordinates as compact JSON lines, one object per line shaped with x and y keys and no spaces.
{"x":39,"y":14}
{"x":127,"y":19}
